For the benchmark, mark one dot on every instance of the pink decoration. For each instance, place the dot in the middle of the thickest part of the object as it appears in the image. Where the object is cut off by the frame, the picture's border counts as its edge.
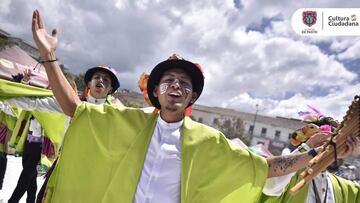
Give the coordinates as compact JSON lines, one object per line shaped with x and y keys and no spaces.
{"x":317,"y":112}
{"x":312,"y":116}
{"x":48,"y":148}
{"x":325,"y":128}
{"x":3,"y":131}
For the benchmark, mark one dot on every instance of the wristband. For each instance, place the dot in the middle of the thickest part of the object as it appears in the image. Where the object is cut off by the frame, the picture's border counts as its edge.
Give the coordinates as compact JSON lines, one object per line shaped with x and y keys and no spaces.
{"x":48,"y":61}
{"x":303,"y":147}
{"x":312,"y":153}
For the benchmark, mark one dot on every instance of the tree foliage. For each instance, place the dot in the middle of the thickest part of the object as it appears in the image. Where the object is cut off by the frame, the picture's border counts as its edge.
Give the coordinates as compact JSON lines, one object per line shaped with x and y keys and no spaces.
{"x":3,"y":42}
{"x":79,"y":80}
{"x":232,"y":128}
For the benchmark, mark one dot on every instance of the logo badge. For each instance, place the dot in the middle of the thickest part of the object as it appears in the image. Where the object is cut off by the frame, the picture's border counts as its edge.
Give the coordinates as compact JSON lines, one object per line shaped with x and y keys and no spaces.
{"x":353,"y":17}
{"x":309,"y":18}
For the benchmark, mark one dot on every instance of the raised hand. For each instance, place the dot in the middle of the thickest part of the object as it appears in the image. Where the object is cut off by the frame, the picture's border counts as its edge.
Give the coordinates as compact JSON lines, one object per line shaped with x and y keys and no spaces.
{"x":318,"y":139}
{"x":352,"y":147}
{"x":27,"y":75}
{"x":45,"y":43}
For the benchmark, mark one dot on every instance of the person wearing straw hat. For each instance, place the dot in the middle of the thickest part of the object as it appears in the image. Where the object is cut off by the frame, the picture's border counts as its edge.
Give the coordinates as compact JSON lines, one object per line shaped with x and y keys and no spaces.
{"x":146,"y":157}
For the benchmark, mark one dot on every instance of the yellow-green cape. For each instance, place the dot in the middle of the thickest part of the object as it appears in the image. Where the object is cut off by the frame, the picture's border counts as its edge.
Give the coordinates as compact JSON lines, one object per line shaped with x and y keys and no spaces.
{"x":8,"y":120}
{"x":104,"y":151}
{"x":10,"y":90}
{"x":344,"y":191}
{"x":286,"y":197}
{"x":20,"y":131}
{"x":52,"y":123}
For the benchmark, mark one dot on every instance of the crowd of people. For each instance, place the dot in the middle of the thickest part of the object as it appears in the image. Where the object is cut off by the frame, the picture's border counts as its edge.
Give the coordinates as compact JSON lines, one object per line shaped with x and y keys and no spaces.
{"x":97,"y":150}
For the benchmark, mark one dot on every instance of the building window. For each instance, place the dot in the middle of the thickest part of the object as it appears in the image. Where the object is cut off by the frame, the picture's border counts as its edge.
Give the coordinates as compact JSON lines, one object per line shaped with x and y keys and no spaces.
{"x":277,"y":135}
{"x":263,"y":132}
{"x":216,"y":121}
{"x":251,"y":129}
{"x":200,"y":120}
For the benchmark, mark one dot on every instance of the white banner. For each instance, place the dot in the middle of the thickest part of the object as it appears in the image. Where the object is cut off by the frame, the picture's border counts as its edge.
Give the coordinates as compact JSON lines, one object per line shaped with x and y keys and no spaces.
{"x":326,"y":21}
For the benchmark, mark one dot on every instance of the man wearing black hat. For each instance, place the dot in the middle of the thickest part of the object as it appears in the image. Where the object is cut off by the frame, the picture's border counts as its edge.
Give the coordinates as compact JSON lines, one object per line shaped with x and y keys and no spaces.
{"x":142,"y":157}
{"x":101,"y":82}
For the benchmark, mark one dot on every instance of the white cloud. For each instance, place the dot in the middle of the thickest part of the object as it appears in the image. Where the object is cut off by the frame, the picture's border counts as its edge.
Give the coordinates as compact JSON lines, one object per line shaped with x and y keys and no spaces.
{"x":5,"y":7}
{"x":352,"y":52}
{"x":271,"y":67}
{"x":335,"y":104}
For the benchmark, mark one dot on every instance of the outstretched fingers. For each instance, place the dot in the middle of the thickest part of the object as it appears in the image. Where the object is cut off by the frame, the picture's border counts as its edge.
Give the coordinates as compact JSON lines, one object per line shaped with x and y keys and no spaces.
{"x":54,"y":33}
{"x":34,"y":25}
{"x":351,"y":147}
{"x":40,"y":21}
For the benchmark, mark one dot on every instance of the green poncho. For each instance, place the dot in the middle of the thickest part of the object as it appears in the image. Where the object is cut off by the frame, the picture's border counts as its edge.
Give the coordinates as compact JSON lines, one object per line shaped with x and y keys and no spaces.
{"x":104,"y":151}
{"x":20,"y":131}
{"x":344,"y":191}
{"x":52,"y":123}
{"x":8,"y":120}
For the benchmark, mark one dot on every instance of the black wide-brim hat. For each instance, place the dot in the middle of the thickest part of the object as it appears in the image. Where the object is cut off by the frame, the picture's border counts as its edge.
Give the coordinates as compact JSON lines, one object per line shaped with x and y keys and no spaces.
{"x":193,"y":70}
{"x":115,"y":84}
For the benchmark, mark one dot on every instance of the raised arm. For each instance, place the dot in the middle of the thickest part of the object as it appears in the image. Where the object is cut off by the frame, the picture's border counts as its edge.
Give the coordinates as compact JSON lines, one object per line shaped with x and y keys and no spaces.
{"x":282,"y":165}
{"x":46,"y":44}
{"x":276,"y":185}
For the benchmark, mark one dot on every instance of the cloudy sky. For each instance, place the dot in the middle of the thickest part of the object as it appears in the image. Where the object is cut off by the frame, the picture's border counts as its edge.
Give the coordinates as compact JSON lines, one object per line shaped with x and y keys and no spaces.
{"x":248,"y":49}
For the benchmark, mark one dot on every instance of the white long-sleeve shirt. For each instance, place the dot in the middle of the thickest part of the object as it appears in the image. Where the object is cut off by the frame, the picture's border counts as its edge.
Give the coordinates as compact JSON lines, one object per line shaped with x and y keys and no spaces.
{"x":7,"y":109}
{"x":46,"y":104}
{"x":323,"y":185}
{"x":34,"y":128}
